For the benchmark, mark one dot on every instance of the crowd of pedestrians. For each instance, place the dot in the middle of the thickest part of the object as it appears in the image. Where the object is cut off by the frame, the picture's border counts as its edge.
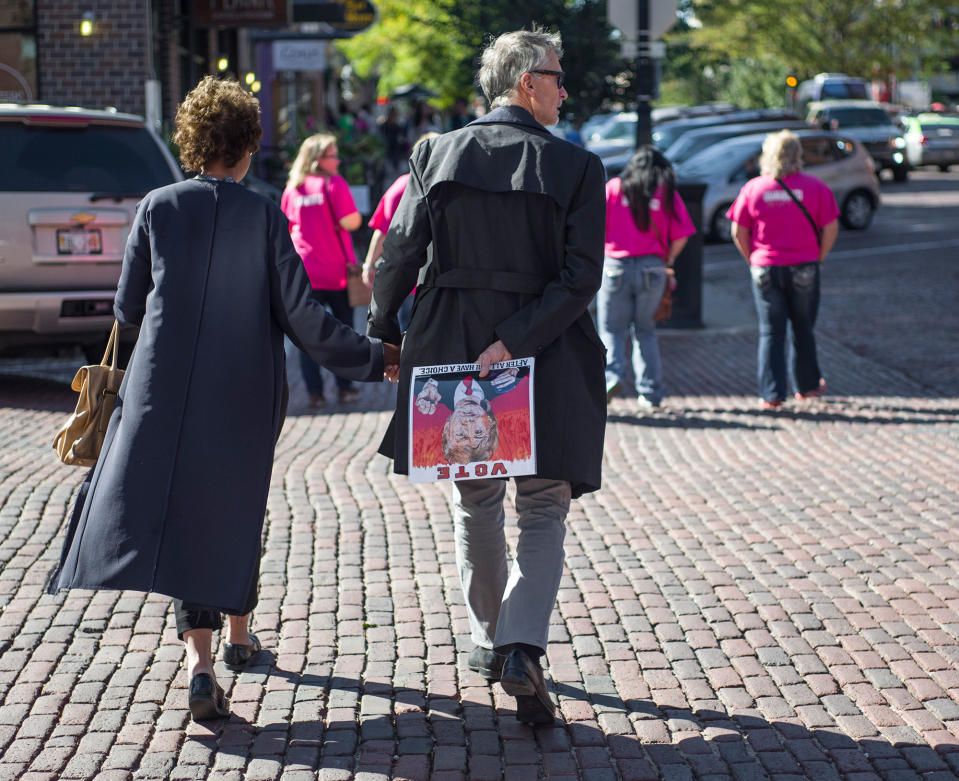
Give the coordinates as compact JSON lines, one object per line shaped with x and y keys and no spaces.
{"x":499,"y":229}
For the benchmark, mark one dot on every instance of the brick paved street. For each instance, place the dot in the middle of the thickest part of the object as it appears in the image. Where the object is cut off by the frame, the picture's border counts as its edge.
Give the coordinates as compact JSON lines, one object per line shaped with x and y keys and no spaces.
{"x":752,"y":595}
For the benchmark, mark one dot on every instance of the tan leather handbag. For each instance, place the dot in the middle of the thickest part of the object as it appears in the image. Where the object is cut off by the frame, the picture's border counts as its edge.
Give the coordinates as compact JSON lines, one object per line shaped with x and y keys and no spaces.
{"x":79,"y":441}
{"x":356,"y":290}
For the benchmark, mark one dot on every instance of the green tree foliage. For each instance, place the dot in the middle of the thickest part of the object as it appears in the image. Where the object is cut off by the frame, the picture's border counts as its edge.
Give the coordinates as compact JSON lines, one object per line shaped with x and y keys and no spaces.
{"x":437,"y":43}
{"x":865,"y":38}
{"x":410,"y":43}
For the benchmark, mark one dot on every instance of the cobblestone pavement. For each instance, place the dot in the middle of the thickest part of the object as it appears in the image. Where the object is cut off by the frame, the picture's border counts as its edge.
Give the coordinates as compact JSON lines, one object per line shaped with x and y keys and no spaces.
{"x":752,"y":595}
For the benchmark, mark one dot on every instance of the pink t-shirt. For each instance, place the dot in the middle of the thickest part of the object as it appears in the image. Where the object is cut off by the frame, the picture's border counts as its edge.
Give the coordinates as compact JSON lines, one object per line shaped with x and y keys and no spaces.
{"x":625,"y":240}
{"x":314,"y":231}
{"x":386,"y":208}
{"x":779,"y":233}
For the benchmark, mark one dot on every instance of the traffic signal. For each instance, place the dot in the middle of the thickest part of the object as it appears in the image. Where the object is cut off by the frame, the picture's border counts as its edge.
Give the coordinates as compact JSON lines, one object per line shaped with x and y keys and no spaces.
{"x":791,"y":81}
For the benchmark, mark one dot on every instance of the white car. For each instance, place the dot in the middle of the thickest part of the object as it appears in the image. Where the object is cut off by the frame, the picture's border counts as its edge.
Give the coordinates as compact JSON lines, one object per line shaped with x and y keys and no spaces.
{"x":840,"y":161}
{"x":71,"y":181}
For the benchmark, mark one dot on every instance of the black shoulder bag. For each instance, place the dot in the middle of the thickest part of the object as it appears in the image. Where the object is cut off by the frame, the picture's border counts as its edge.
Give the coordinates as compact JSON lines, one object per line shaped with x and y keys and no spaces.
{"x":799,"y":203}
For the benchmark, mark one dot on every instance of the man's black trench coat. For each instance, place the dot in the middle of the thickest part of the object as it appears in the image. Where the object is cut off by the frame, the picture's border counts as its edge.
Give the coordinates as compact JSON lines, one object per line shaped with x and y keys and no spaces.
{"x":508,"y":222}
{"x":178,"y":495}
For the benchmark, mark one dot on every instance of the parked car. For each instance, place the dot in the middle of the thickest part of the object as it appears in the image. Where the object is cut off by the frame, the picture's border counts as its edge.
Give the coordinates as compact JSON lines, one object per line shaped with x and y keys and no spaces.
{"x":665,"y":134}
{"x":620,"y":128}
{"x":932,"y":139}
{"x":71,"y":180}
{"x":870,"y":124}
{"x":695,"y":141}
{"x":839,"y":160}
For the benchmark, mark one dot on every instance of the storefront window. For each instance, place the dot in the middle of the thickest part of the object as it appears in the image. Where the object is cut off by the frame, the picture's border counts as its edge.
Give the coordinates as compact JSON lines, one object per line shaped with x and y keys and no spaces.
{"x":18,"y":52}
{"x":16,"y":13}
{"x":18,"y":67}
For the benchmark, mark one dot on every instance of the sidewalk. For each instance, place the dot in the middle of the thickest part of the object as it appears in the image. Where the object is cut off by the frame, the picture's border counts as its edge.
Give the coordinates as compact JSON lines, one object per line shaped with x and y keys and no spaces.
{"x":752,"y":595}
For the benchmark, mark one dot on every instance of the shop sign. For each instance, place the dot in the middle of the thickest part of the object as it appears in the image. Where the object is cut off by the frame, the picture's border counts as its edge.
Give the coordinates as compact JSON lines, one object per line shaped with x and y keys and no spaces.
{"x":299,"y":56}
{"x":239,"y":13}
{"x":349,"y":16}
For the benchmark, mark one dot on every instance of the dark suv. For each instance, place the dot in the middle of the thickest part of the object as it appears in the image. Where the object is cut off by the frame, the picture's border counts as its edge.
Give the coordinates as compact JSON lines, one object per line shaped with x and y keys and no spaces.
{"x":869,"y":124}
{"x":71,"y":180}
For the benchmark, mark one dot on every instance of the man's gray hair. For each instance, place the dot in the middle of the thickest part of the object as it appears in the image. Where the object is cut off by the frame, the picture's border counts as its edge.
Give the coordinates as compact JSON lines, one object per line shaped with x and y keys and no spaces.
{"x":511,"y":55}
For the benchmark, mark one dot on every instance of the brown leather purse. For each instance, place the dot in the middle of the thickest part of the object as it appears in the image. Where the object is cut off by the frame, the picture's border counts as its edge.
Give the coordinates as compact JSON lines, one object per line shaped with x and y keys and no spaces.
{"x":80,"y":439}
{"x":665,"y":309}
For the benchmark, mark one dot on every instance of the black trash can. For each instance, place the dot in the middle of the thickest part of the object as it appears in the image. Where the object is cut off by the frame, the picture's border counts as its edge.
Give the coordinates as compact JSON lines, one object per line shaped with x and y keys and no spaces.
{"x":688,"y":295}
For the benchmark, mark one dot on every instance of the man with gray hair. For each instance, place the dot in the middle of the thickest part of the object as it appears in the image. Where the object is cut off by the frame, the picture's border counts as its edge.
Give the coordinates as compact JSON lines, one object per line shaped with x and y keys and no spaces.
{"x":502,"y":225}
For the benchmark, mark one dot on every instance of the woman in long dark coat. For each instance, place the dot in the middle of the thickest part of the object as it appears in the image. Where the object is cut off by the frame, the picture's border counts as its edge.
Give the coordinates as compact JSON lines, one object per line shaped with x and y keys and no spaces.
{"x":176,"y":501}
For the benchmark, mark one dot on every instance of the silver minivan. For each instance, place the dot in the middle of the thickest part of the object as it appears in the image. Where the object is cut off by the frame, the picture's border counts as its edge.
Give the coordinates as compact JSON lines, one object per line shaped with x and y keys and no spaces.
{"x":839,"y":160}
{"x":71,"y":181}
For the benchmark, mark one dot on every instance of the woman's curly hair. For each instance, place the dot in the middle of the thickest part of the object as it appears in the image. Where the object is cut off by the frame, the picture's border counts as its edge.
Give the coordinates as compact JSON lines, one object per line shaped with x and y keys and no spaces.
{"x":217,"y":120}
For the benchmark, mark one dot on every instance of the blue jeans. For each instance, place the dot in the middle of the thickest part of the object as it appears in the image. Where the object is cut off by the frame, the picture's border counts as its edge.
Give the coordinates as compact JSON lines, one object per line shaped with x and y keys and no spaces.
{"x":629,"y":296}
{"x":786,"y":294}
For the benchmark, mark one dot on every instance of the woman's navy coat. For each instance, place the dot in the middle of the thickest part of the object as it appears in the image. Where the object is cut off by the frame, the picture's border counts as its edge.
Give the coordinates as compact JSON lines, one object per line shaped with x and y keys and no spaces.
{"x":177,"y":498}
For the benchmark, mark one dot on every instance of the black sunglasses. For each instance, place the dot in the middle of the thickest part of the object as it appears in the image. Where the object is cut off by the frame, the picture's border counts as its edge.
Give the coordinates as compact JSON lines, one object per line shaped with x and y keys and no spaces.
{"x":560,"y":76}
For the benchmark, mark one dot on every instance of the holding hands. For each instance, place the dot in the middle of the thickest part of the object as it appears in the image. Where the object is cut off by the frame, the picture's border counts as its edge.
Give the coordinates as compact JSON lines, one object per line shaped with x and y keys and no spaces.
{"x":391,"y":362}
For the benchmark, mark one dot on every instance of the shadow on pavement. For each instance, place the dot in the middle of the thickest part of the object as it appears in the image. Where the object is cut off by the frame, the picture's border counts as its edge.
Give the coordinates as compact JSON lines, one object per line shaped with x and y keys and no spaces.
{"x":682,"y":419}
{"x":410,"y":733}
{"x":36,"y":393}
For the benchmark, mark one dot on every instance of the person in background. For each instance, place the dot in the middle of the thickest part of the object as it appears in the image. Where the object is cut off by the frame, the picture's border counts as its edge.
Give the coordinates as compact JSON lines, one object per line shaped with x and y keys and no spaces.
{"x":364,"y":119}
{"x":647,"y":226}
{"x":574,"y":135}
{"x":784,"y":225}
{"x":176,"y":502}
{"x":515,"y":219}
{"x":346,"y":123}
{"x":394,"y":142}
{"x":380,"y":223}
{"x":320,"y":208}
{"x":461,"y":115}
{"x":422,"y":120}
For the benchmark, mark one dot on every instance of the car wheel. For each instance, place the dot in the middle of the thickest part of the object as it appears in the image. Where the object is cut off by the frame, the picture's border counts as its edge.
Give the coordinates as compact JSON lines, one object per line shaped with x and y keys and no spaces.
{"x":900,"y":173}
{"x":857,"y":210}
{"x":944,"y":168}
{"x":721,"y":227}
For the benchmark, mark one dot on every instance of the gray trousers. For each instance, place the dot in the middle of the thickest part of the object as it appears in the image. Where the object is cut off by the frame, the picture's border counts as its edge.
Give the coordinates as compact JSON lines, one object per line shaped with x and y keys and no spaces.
{"x":510,"y":603}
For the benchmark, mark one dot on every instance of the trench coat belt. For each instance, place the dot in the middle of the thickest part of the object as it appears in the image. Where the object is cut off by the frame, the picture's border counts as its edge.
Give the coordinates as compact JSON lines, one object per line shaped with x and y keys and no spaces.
{"x":483,"y":279}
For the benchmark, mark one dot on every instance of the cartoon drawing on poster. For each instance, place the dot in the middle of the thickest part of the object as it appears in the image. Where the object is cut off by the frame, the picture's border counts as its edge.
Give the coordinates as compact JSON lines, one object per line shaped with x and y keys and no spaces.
{"x":466,"y":428}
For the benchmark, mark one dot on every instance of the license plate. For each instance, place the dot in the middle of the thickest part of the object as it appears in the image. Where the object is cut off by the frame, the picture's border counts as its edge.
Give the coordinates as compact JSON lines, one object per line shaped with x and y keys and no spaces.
{"x":79,"y":242}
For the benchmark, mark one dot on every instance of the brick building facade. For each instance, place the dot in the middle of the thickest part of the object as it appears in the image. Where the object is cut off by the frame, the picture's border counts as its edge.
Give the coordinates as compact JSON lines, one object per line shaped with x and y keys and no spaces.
{"x":110,"y":67}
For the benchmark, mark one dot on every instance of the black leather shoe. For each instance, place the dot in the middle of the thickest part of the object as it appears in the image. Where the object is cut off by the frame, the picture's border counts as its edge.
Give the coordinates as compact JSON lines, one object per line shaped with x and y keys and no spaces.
{"x":522,"y":678}
{"x":487,"y":663}
{"x":207,"y":699}
{"x":236,"y":656}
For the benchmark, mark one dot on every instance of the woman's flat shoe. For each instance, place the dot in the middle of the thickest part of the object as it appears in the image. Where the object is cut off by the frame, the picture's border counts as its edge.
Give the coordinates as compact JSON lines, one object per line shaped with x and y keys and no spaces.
{"x":236,"y":656}
{"x":207,"y":698}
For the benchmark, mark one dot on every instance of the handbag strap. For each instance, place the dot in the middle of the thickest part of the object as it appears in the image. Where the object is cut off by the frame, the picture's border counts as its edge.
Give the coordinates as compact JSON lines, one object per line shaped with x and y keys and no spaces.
{"x":659,"y":237}
{"x":113,"y":344}
{"x":804,"y":211}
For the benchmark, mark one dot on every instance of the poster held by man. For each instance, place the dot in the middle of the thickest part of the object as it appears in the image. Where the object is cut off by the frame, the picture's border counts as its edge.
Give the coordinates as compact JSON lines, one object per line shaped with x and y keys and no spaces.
{"x":464,"y":427}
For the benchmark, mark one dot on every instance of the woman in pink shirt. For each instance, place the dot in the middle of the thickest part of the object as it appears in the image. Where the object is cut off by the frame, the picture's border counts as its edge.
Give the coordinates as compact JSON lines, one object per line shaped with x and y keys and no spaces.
{"x":380,"y":223}
{"x":784,"y":224}
{"x":647,"y":226}
{"x":320,"y":208}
